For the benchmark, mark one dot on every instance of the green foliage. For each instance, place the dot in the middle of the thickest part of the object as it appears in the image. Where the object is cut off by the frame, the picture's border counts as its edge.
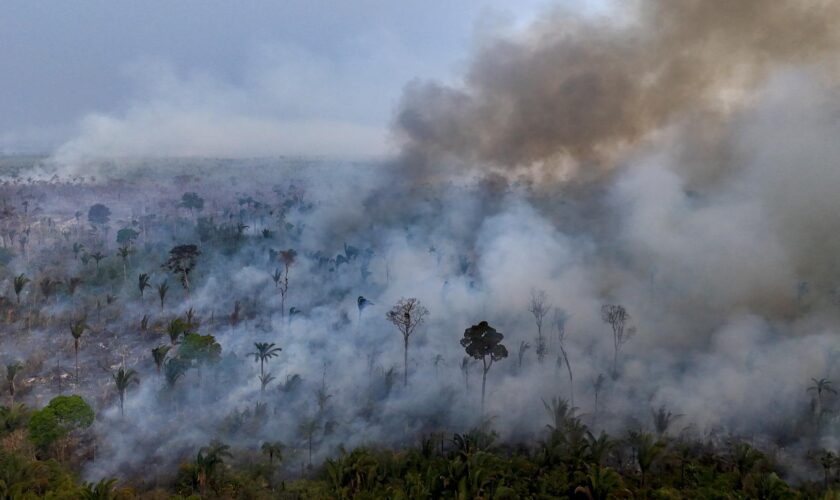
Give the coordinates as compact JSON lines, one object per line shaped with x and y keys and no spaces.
{"x":200,"y":348}
{"x":482,"y":340}
{"x":99,"y":214}
{"x":21,"y":477}
{"x":192,"y":201}
{"x":126,"y":236}
{"x":61,"y":416}
{"x":13,"y":417}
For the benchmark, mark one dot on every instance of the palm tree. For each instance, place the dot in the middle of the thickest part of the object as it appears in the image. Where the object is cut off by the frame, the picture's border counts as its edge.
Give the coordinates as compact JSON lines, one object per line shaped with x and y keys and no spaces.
{"x":598,"y":447}
{"x":143,"y":283}
{"x":743,"y":458}
{"x":559,"y":411}
{"x":208,"y":458}
{"x":647,"y":451}
{"x":265,"y":380}
{"x":48,"y":286}
{"x":308,"y":427}
{"x":274,"y":451}
{"x":176,"y":328}
{"x":124,"y":252}
{"x":173,"y":370}
{"x":20,"y":281}
{"x":264,"y":352}
{"x":159,"y":354}
{"x":827,"y":460}
{"x":123,"y":378}
{"x":601,"y":482}
{"x":12,"y":371}
{"x":820,"y":386}
{"x":103,"y":490}
{"x":97,"y":256}
{"x":13,"y":417}
{"x":76,"y":330}
{"x":662,"y":420}
{"x":162,"y":289}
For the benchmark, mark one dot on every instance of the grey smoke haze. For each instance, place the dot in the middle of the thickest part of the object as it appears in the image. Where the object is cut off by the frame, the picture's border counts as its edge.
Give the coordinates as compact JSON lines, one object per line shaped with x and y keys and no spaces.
{"x":262,"y":78}
{"x":718,"y":127}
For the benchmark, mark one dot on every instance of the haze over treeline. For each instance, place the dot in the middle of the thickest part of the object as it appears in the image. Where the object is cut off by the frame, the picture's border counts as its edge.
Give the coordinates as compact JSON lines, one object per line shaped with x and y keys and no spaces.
{"x":642,"y":201}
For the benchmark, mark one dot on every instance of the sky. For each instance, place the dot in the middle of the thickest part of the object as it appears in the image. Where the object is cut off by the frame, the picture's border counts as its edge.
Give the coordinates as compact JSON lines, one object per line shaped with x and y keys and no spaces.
{"x":258,"y":77}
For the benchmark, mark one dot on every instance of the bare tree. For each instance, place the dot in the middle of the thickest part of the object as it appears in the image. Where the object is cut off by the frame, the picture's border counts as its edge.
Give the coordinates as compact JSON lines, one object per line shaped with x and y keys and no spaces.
{"x":523,"y":348}
{"x":288,"y":258}
{"x":560,"y":319}
{"x":617,"y":317}
{"x":537,"y":306}
{"x":407,"y":315}
{"x":597,"y":386}
{"x":465,"y":369}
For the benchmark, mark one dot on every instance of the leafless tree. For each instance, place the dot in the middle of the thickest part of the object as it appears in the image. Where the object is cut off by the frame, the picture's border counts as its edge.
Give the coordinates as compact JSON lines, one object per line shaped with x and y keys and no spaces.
{"x":560,"y":319}
{"x":538,"y":307}
{"x":523,"y":348}
{"x":407,"y":315}
{"x":282,"y":280}
{"x":617,"y":317}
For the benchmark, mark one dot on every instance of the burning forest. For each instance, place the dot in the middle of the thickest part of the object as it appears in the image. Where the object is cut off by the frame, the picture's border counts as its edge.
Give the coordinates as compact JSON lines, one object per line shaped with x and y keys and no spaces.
{"x":600,"y":263}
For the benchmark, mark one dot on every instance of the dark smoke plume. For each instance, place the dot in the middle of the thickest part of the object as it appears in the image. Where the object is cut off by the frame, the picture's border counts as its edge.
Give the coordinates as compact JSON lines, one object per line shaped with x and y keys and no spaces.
{"x":575,"y":91}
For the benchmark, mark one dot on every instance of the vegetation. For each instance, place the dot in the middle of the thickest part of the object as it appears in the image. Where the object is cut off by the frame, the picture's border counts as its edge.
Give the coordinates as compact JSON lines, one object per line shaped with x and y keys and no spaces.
{"x":330,"y":419}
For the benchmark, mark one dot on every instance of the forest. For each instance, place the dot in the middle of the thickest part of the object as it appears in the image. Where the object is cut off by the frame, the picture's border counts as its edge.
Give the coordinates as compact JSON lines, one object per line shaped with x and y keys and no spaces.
{"x":600,"y":261}
{"x":215,"y":336}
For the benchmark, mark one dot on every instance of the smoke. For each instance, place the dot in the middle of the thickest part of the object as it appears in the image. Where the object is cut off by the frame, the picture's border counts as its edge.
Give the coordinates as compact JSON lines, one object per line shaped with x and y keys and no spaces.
{"x":715,"y":227}
{"x":281,"y":105}
{"x":568,"y":96}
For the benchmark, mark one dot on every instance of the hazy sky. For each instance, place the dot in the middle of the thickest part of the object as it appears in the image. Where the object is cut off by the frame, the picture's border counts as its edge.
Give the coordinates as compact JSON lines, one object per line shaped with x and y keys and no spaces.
{"x":296,"y":74}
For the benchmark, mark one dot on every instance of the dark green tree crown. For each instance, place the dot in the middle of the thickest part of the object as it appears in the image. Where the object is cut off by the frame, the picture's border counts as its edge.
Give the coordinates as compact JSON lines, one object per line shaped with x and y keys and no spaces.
{"x":483,"y":340}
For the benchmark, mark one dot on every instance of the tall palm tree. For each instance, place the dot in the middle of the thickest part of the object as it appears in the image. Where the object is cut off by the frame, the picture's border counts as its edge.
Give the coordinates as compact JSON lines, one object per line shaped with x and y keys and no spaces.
{"x":274,"y":451}
{"x":208,"y":458}
{"x":20,"y":281}
{"x":162,"y":289}
{"x":124,"y":252}
{"x":598,"y":447}
{"x":559,"y":411}
{"x":12,"y":371}
{"x":264,"y":352}
{"x":122,"y":379}
{"x":648,"y":449}
{"x":820,"y":386}
{"x":143,"y":283}
{"x":97,"y":256}
{"x":76,"y":330}
{"x":159,"y":354}
{"x":173,"y":370}
{"x":308,"y":427}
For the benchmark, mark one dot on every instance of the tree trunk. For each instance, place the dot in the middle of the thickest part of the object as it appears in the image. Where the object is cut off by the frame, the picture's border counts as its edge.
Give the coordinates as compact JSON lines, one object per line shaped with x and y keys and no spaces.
{"x":484,"y":383}
{"x":405,"y":363}
{"x":571,"y":380}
